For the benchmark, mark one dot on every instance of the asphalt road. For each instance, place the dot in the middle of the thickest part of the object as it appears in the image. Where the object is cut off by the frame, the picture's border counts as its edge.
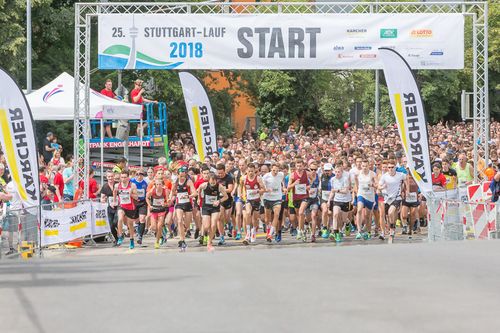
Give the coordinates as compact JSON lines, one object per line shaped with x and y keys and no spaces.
{"x":436,"y":287}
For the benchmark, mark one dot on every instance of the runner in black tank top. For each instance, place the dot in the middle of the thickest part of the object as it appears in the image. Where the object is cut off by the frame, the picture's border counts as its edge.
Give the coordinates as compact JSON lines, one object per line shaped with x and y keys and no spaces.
{"x":212,"y":195}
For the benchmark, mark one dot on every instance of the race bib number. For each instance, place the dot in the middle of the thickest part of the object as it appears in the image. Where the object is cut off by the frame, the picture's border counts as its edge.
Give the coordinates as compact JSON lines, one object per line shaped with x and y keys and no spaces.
{"x":111,"y":201}
{"x":182,"y":197}
{"x":275,"y":190}
{"x":210,"y":199}
{"x":252,"y":194}
{"x":366,"y":188}
{"x":159,"y":202}
{"x":141,"y":192}
{"x":300,"y":189}
{"x":125,"y":198}
{"x":411,"y":197}
{"x":325,"y":195}
{"x":313,"y":192}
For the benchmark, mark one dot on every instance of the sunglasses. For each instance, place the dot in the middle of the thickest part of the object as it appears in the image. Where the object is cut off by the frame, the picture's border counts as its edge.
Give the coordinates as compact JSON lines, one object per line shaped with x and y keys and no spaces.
{"x":313,"y":169}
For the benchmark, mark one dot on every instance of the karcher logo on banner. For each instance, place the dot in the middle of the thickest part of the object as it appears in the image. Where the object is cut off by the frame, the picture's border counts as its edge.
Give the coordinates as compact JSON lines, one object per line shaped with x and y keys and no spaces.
{"x":17,"y":150}
{"x":203,"y":135}
{"x":411,"y":133}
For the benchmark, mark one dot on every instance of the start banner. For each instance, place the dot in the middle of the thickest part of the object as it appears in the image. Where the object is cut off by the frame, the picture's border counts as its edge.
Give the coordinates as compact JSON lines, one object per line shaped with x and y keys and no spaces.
{"x":100,"y":223}
{"x":278,"y":41}
{"x":59,"y":226}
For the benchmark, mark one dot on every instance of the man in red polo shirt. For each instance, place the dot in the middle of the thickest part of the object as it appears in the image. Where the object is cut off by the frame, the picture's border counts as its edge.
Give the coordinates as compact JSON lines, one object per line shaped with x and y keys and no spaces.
{"x":136,"y":97}
{"x":108,"y":91}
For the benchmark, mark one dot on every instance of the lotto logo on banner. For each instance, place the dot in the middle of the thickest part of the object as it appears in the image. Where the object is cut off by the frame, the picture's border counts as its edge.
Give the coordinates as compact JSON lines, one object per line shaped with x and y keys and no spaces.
{"x":276,"y":41}
{"x":59,"y":226}
{"x":100,"y":224}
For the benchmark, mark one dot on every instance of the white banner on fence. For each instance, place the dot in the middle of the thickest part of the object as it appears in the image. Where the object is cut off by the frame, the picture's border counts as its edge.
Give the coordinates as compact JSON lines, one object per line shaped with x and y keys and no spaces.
{"x":59,"y":226}
{"x":278,"y":41}
{"x":100,"y":223}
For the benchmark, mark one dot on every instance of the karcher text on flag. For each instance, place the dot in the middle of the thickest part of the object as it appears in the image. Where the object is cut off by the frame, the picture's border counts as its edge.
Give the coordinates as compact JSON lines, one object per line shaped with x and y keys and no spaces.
{"x":410,"y":117}
{"x":17,"y":137}
{"x":200,"y":115}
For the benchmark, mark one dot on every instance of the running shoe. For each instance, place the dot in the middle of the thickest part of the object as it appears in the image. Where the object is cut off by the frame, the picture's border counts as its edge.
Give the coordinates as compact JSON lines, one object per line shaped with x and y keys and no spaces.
{"x":293,"y":232}
{"x":348,"y":229}
{"x":313,"y":238}
{"x":132,"y":246}
{"x":139,"y":240}
{"x":405,"y":230}
{"x":157,"y":245}
{"x":162,"y":240}
{"x":324,"y":233}
{"x":253,"y":237}
{"x":269,"y":238}
{"x":10,"y":252}
{"x":205,"y":240}
{"x":353,"y":227}
{"x":367,"y":236}
{"x":235,"y":234}
{"x":338,"y":237}
{"x":221,"y":241}
{"x":246,"y":241}
{"x":398,"y":222}
{"x":299,"y":234}
{"x":332,"y":236}
{"x":196,"y":234}
{"x":278,"y":237}
{"x":304,"y":236}
{"x":410,"y":234}
{"x":238,"y":236}
{"x":188,"y":234}
{"x":381,"y":237}
{"x":119,"y":241}
{"x":358,"y":236}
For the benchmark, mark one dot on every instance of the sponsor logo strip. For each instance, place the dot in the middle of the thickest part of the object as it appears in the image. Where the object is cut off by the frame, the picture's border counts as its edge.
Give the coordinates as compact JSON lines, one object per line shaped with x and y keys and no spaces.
{"x":79,"y":226}
{"x":100,"y":223}
{"x":49,"y":233}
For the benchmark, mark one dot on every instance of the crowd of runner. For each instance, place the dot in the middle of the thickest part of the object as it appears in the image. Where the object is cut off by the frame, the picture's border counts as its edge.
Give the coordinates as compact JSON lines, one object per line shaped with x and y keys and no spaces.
{"x":311,"y":183}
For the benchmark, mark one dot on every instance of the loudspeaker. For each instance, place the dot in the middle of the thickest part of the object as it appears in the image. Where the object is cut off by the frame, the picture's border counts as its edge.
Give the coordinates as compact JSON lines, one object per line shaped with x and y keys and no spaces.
{"x":357,"y":115}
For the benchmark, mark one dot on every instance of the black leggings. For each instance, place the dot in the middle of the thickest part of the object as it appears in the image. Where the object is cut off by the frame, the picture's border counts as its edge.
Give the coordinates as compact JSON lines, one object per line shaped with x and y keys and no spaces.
{"x":113,"y":222}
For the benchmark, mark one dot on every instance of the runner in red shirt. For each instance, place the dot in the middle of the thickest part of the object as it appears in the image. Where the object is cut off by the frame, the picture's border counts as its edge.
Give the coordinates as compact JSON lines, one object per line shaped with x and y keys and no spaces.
{"x":108,"y":91}
{"x":136,"y":97}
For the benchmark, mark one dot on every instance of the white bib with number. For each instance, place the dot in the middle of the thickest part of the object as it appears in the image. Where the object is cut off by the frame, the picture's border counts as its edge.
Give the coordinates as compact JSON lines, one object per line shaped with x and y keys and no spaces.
{"x":252,"y":194}
{"x":300,"y":189}
{"x":125,"y":198}
{"x":141,"y":193}
{"x":159,"y":202}
{"x":313,"y":192}
{"x":325,"y":195}
{"x":210,"y":199}
{"x":411,"y":197}
{"x":182,"y":197}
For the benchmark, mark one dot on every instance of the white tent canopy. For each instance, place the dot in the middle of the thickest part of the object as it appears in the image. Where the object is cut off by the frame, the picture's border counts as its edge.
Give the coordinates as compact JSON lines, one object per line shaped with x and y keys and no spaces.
{"x":56,"y":101}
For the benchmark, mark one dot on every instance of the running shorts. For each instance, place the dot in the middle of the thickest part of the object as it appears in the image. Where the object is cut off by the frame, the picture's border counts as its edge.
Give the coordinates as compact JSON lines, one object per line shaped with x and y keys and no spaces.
{"x":344,"y":206}
{"x":255,"y":205}
{"x":270,"y":204}
{"x":411,"y":204}
{"x":186,"y":207}
{"x":207,"y":210}
{"x":227,"y":204}
{"x":131,"y":214}
{"x":157,"y":215}
{"x":395,"y":203}
{"x":366,"y":203}
{"x":142,"y":208}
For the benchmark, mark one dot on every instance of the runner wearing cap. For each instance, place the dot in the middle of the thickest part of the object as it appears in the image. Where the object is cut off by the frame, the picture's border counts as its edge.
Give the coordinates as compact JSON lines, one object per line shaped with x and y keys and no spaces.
{"x":141,"y":205}
{"x":325,"y":186}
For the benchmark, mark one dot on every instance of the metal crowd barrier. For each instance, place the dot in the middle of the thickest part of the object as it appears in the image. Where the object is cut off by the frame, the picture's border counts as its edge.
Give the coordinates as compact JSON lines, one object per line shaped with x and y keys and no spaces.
{"x":459,"y":220}
{"x":20,"y":229}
